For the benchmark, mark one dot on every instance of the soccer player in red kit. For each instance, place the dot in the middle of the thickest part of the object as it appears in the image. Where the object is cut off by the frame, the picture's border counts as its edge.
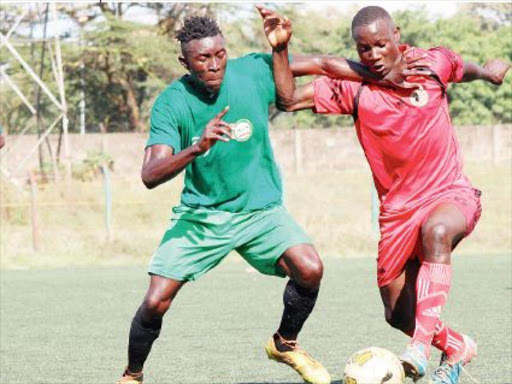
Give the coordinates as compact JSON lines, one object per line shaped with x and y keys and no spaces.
{"x":427,"y":203}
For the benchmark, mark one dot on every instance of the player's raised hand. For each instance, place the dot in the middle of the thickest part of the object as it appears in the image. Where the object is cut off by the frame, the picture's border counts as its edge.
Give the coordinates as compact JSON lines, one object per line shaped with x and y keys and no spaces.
{"x":496,"y":70}
{"x":409,"y":66}
{"x":278,"y":29}
{"x":215,"y":130}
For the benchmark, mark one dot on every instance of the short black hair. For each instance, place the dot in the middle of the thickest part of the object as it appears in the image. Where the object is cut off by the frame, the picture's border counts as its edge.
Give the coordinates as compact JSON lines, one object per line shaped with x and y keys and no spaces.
{"x":368,"y":15}
{"x":197,"y":27}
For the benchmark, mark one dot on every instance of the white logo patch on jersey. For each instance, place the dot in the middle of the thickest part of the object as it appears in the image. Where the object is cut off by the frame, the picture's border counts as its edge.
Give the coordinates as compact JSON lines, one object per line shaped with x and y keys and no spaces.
{"x":419,"y":98}
{"x":242,"y":130}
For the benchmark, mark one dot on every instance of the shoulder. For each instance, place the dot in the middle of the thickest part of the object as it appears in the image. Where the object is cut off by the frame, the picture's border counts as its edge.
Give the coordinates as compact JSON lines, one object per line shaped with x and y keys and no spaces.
{"x":442,"y":53}
{"x":252,"y":60}
{"x":173,"y":94}
{"x":447,"y":64}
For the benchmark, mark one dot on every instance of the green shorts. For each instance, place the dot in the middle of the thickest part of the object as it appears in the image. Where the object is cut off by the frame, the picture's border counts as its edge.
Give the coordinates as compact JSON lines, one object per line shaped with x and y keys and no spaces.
{"x":197,"y":240}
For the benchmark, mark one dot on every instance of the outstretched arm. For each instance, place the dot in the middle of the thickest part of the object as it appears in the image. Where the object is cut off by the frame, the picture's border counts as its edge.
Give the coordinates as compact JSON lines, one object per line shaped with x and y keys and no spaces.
{"x":341,"y":68}
{"x":493,"y":71}
{"x":278,"y":31}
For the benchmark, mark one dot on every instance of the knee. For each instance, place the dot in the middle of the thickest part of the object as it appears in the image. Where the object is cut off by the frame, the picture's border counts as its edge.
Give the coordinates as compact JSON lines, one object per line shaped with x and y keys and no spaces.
{"x":435,"y":234}
{"x":310,"y":275}
{"x":155,"y":306}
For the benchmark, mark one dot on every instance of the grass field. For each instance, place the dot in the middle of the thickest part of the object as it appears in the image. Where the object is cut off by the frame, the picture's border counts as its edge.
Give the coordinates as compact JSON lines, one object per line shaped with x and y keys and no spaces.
{"x":70,"y":325}
{"x":334,"y":207}
{"x":65,"y":310}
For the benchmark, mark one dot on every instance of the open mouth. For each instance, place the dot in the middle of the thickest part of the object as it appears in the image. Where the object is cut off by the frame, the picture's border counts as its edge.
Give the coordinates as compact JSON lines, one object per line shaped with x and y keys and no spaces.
{"x":379,"y":68}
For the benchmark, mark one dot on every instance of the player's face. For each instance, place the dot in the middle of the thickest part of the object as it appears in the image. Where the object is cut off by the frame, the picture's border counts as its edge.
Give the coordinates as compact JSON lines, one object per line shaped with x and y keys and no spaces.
{"x":377,"y":46}
{"x":206,"y":59}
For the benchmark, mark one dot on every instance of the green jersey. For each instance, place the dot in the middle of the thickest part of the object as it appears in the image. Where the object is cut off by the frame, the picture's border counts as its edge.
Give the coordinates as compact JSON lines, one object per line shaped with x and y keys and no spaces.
{"x":235,"y":176}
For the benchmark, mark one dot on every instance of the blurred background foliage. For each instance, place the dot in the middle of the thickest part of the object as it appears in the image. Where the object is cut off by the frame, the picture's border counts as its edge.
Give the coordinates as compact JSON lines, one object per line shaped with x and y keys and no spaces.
{"x":120,"y":64}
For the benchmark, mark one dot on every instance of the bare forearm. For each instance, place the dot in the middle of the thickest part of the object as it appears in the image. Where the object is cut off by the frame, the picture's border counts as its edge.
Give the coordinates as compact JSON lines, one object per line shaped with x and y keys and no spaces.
{"x":283,"y":78}
{"x":161,"y":168}
{"x":473,"y":72}
{"x":331,"y":66}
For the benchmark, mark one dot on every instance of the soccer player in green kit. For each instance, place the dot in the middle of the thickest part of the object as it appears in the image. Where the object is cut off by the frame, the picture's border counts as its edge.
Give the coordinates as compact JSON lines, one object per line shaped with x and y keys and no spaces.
{"x":214,"y":124}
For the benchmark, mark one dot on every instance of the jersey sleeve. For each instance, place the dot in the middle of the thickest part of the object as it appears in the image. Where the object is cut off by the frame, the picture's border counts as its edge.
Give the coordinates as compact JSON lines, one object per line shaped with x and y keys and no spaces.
{"x":164,"y":123}
{"x":448,"y":65}
{"x":334,"y":96}
{"x":263,"y":69}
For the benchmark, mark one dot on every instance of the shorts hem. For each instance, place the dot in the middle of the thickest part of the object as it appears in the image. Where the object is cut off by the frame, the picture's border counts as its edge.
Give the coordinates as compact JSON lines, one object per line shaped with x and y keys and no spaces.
{"x":170,"y":276}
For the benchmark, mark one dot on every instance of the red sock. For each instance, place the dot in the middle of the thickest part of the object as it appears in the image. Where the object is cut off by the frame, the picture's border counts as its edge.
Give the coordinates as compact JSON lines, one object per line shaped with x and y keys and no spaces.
{"x":432,"y":287}
{"x":447,"y":340}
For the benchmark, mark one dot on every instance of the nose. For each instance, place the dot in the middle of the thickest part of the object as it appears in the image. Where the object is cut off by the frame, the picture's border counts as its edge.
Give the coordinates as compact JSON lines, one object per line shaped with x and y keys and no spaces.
{"x":214,"y":64}
{"x":375,"y":54}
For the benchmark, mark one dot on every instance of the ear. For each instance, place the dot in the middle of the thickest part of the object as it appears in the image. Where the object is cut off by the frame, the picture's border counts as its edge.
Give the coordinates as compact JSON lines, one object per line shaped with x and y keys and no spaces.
{"x":397,"y":35}
{"x":183,"y":62}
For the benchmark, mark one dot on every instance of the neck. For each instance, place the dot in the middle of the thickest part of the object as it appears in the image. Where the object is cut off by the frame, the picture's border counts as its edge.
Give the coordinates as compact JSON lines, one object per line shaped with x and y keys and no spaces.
{"x":200,"y":87}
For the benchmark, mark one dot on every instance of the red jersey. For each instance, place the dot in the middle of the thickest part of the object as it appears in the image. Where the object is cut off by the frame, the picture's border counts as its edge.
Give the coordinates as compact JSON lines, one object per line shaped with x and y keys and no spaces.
{"x":407,"y":136}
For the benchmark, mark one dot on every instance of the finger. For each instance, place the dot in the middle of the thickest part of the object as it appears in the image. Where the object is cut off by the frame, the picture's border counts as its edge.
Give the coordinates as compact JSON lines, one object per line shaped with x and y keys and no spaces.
{"x":221,"y":138}
{"x":413,"y":59}
{"x":276,"y":19}
{"x":222,"y":123}
{"x":221,"y":114}
{"x":261,"y":9}
{"x":418,"y":64}
{"x":224,"y":127}
{"x":225,"y":132}
{"x":408,"y":50}
{"x":407,"y":85}
{"x":265,"y":12}
{"x":417,"y":72}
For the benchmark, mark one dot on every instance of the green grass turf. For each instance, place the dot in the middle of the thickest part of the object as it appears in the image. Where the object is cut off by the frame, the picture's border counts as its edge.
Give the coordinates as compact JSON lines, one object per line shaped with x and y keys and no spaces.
{"x":71,"y":326}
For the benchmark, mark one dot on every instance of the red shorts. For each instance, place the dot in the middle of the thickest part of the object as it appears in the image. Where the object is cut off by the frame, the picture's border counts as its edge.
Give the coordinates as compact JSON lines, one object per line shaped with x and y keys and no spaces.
{"x":400,"y":231}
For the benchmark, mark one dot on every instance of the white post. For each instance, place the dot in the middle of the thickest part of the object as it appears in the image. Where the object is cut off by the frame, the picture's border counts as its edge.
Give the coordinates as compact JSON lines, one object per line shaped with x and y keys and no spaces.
{"x":64,"y":108}
{"x":17,"y":91}
{"x":82,"y":100}
{"x":29,"y":70}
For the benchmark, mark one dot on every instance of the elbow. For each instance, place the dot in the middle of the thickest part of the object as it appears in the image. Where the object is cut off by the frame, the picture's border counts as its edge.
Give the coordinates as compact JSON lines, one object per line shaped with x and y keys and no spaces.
{"x":148,"y":179}
{"x":286,"y":106}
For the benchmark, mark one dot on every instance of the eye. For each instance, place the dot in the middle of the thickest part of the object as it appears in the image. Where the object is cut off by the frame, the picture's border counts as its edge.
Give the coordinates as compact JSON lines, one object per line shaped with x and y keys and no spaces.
{"x":221,"y":54}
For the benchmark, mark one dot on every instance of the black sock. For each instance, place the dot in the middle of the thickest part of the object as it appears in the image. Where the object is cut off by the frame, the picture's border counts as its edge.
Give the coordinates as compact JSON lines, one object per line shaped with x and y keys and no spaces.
{"x":142,"y":335}
{"x":298,"y":304}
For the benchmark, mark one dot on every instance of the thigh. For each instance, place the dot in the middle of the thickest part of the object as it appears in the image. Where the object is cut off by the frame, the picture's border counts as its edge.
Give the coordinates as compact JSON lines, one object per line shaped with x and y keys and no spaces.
{"x":189,"y":249}
{"x":263,"y":240}
{"x":458,"y":211}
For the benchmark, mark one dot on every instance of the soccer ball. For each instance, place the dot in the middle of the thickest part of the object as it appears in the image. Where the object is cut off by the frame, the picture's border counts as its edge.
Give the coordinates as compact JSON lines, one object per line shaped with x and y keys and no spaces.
{"x":374,"y":365}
